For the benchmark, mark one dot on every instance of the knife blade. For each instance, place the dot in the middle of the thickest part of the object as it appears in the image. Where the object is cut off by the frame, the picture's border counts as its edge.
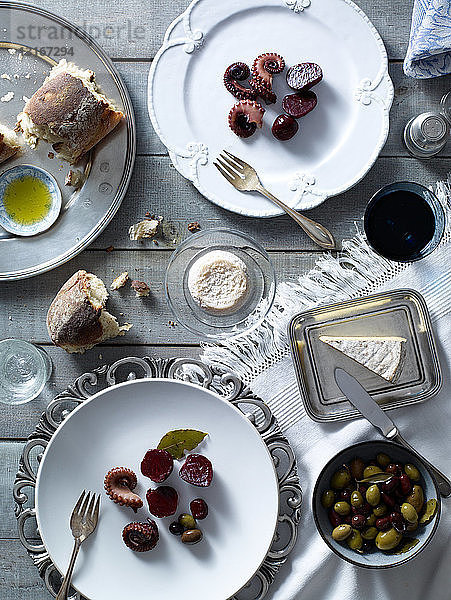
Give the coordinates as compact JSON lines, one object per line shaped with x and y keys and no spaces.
{"x":359,"y":397}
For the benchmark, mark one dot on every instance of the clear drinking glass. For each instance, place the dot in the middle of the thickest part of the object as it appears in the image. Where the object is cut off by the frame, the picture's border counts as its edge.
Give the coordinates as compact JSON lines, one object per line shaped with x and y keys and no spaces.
{"x":24,"y":371}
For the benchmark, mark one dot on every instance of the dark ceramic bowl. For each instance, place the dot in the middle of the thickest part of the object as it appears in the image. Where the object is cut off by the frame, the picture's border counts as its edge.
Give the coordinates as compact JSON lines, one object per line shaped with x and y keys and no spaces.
{"x":375,"y":559}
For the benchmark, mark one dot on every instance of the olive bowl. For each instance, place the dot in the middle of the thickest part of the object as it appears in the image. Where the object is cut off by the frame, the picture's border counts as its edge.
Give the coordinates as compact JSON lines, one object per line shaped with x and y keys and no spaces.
{"x":375,"y":559}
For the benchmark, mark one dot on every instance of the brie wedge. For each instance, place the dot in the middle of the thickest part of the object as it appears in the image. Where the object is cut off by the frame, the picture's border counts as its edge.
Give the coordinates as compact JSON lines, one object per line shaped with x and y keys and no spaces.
{"x":382,"y":355}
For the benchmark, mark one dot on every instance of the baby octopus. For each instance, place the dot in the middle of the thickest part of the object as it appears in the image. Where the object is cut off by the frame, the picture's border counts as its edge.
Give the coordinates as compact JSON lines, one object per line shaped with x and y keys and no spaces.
{"x":119,"y":483}
{"x":245,"y":117}
{"x":264,"y":67}
{"x":141,"y":537}
{"x":236,"y":72}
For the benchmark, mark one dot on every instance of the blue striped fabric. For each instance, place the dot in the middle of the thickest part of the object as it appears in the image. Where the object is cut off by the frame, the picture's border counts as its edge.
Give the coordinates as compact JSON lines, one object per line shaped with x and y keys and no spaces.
{"x":429,"y":51}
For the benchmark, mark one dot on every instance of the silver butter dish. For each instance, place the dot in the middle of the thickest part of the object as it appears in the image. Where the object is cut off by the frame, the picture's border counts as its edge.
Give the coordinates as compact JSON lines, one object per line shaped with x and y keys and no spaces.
{"x":400,"y":313}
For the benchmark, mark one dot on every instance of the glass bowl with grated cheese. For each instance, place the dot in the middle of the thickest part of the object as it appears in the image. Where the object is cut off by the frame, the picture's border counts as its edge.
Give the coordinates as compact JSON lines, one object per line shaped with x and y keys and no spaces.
{"x":220,"y":283}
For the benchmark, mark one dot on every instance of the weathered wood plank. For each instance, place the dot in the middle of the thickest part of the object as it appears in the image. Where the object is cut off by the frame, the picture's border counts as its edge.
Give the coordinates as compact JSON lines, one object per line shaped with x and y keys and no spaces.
{"x":132,"y":29}
{"x":412,"y":96}
{"x":167,"y":193}
{"x":25,"y":303}
{"x":19,"y":421}
{"x":9,"y":462}
{"x":19,"y":578}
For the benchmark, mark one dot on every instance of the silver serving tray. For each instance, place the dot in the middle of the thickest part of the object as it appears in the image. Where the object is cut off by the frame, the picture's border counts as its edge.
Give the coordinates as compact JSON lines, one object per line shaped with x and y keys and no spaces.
{"x":86,"y":212}
{"x":398,"y":312}
{"x":228,"y":386}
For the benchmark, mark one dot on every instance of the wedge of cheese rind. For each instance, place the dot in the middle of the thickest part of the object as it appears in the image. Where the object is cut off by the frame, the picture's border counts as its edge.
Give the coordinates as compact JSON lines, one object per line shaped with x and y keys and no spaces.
{"x":382,"y":355}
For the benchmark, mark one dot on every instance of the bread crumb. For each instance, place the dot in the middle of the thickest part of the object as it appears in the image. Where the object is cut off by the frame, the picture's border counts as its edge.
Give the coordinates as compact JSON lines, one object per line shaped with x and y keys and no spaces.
{"x":109,"y":249}
{"x":5,"y":76}
{"x":12,"y":50}
{"x":119,"y":281}
{"x":144,"y":229}
{"x":7,"y":97}
{"x":193,"y":227}
{"x":74,"y":178}
{"x":141,"y":288}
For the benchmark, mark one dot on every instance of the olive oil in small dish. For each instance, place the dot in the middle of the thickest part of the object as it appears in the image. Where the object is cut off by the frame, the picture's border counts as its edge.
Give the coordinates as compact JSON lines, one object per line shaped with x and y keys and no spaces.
{"x":30,"y":200}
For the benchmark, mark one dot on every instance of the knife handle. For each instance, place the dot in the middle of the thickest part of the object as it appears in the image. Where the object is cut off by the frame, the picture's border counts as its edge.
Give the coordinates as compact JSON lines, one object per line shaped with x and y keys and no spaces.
{"x":444,"y":484}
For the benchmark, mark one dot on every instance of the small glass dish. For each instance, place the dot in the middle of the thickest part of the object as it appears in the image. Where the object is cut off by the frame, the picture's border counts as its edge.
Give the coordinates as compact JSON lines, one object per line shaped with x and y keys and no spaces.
{"x":7,"y":220}
{"x":400,"y":313}
{"x":255,"y":306}
{"x":24,"y":371}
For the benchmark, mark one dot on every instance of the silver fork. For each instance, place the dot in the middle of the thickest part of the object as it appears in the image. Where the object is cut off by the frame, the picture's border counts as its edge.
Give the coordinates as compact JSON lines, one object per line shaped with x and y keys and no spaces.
{"x":245,"y":178}
{"x":82,"y":523}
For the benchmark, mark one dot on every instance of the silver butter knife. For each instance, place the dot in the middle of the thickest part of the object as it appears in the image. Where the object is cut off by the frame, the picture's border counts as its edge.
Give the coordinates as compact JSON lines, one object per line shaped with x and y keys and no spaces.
{"x":363,"y":402}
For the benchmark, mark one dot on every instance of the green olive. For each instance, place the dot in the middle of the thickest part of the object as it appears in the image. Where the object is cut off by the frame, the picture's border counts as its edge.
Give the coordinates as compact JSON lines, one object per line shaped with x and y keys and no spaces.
{"x":341,"y":532}
{"x":387,"y":540}
{"x":342,"y":508}
{"x":356,"y":466}
{"x":373,"y":495}
{"x":187,"y":521}
{"x":412,"y":526}
{"x":380,"y":510}
{"x":355,"y":541}
{"x":356,"y":499}
{"x":416,"y":498}
{"x":340,"y":479}
{"x":370,"y":533}
{"x":371,"y":520}
{"x":328,"y":499}
{"x":409,"y":513}
{"x":371,"y":470}
{"x":412,"y":472}
{"x":429,"y":511}
{"x":383,"y":460}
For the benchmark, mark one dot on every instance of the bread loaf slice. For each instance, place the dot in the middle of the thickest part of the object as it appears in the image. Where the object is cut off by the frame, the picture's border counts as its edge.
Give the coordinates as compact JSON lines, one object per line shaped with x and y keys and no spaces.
{"x":9,"y":143}
{"x":77,"y":319}
{"x":69,"y":112}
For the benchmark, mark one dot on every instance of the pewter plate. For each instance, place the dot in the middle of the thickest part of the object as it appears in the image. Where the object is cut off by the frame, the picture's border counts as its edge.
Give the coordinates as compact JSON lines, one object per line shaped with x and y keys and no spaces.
{"x":229,"y":388}
{"x":26,"y":56}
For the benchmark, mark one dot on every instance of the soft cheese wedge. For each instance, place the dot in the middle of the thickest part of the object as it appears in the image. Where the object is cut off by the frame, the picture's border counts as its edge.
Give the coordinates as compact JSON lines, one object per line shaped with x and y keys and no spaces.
{"x":382,"y":355}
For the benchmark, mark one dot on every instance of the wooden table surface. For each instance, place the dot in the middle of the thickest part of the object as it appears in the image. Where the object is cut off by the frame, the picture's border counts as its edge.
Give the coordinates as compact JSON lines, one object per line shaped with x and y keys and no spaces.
{"x":157,"y":187}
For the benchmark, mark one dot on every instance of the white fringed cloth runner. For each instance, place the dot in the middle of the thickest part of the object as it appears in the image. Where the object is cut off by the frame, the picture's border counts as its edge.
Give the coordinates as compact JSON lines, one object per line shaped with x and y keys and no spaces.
{"x":262,"y":359}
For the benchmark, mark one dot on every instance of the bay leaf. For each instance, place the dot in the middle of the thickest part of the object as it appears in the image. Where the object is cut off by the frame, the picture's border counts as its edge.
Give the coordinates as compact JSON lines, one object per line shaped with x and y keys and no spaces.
{"x":376,"y":478}
{"x":179,"y":440}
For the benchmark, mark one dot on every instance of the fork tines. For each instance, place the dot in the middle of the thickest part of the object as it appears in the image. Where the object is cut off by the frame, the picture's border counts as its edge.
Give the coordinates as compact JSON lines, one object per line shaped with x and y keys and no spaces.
{"x":230,"y":166}
{"x":88,"y":506}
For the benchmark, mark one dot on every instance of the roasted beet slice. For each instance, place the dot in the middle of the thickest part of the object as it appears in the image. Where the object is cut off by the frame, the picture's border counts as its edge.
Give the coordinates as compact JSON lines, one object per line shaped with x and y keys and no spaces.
{"x":157,"y":464}
{"x":197,"y":470}
{"x":304,"y":76}
{"x":162,"y":501}
{"x":300,"y":104}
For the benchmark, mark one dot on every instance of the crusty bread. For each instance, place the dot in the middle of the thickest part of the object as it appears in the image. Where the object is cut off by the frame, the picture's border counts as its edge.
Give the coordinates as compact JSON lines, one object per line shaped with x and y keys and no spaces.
{"x":69,"y":112}
{"x":9,"y":143}
{"x":77,"y":319}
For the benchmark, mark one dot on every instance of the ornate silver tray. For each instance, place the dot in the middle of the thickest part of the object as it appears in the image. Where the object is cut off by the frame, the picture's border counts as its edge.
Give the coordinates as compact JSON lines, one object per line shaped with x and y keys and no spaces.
{"x":25,"y":59}
{"x":228,"y":386}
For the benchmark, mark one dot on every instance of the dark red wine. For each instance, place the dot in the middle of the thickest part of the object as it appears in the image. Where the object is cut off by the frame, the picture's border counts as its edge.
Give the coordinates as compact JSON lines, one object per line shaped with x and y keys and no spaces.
{"x":399,"y":224}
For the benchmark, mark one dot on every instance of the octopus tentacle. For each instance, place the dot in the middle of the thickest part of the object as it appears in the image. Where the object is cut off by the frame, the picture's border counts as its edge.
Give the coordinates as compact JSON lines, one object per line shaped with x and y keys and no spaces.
{"x":262,"y":90}
{"x":245,"y":117}
{"x":236,"y":72}
{"x":141,"y":537}
{"x":264,"y":67}
{"x":267,"y":65}
{"x":119,"y":483}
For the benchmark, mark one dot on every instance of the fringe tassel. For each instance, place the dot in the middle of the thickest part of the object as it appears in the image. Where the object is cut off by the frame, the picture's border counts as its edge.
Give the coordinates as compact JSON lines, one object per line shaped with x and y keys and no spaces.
{"x":357,"y":271}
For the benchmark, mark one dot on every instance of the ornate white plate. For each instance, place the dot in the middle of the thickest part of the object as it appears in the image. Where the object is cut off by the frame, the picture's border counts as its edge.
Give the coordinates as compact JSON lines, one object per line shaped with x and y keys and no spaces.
{"x":337,"y":143}
{"x":116,"y":428}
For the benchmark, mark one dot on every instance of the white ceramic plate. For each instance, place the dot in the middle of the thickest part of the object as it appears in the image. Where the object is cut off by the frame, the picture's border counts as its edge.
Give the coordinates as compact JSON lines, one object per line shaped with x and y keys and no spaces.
{"x":115,"y":428}
{"x":337,"y":143}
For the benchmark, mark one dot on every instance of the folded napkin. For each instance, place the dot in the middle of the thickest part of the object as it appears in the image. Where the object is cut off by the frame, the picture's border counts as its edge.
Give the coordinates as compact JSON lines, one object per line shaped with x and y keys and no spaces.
{"x":429,"y":51}
{"x":313,"y":572}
